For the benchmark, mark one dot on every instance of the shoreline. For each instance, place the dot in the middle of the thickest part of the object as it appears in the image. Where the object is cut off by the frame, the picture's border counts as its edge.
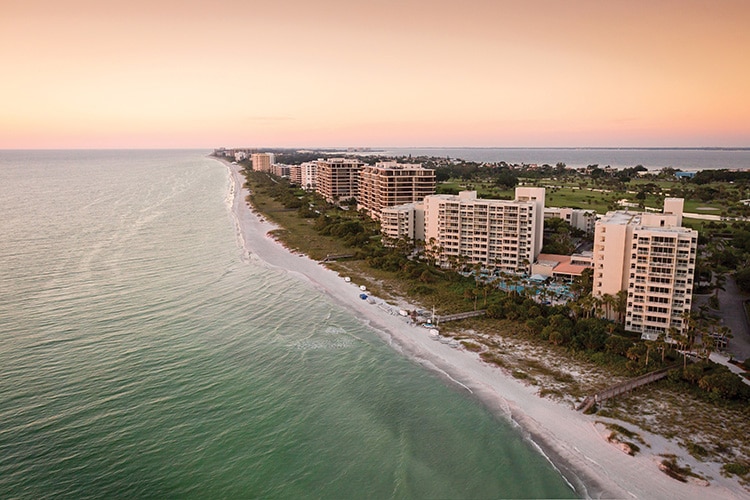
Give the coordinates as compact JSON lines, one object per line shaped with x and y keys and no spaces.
{"x":571,"y":441}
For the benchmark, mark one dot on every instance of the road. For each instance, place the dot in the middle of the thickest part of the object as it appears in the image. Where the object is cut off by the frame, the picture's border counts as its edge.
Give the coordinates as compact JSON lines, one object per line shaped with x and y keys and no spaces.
{"x":731,"y":313}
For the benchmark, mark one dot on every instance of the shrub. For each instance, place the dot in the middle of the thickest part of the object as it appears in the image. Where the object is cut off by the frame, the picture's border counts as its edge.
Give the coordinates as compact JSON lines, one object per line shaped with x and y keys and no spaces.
{"x":735,"y":468}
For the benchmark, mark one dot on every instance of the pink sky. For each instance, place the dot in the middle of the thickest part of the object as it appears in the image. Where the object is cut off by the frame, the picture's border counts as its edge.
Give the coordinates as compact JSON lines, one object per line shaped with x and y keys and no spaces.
{"x":169,"y":73}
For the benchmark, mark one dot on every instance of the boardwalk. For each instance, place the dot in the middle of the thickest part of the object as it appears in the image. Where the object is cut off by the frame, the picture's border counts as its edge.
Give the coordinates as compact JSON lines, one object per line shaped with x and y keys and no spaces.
{"x":458,"y":316}
{"x":623,"y":387}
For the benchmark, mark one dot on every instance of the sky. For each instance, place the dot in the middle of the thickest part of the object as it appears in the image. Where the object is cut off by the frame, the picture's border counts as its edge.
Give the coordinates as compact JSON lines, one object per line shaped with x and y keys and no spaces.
{"x":335,"y":73}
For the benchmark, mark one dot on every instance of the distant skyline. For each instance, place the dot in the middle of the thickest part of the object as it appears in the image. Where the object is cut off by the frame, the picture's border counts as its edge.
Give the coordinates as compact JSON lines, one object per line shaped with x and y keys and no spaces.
{"x":408,"y":73}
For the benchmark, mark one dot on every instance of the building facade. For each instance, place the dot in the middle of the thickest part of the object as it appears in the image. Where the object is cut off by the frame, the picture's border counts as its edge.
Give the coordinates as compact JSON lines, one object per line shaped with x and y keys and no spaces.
{"x":309,"y":175}
{"x":338,"y":178}
{"x":281,"y":170}
{"x":295,"y":174}
{"x":585,"y":220}
{"x":402,"y":222}
{"x":652,"y":257}
{"x":389,"y":184}
{"x":262,"y":161}
{"x":501,"y":234}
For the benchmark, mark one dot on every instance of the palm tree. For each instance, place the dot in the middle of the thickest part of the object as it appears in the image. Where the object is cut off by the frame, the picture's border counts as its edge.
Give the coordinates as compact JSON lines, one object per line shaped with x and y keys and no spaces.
{"x":621,"y":305}
{"x":587,"y":305}
{"x":661,"y":344}
{"x":690,"y":323}
{"x":726,"y":334}
{"x":649,"y":344}
{"x":486,"y":287}
{"x":598,"y":304}
{"x":609,"y":302}
{"x":682,"y":340}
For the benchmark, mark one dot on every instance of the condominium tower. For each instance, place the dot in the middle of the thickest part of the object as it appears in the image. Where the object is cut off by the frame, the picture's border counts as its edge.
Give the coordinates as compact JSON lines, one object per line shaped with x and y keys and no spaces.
{"x":338,"y":178}
{"x":309,"y":175}
{"x":389,"y":184}
{"x":652,"y":257}
{"x":504,"y":234}
{"x":262,"y":161}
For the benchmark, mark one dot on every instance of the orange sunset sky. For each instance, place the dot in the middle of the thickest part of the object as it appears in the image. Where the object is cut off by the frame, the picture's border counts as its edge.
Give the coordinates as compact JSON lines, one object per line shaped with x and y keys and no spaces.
{"x":534,"y":73}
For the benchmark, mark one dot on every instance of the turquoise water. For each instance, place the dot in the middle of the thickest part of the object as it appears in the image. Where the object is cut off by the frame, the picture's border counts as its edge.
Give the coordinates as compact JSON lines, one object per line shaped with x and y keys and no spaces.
{"x":142,"y":356}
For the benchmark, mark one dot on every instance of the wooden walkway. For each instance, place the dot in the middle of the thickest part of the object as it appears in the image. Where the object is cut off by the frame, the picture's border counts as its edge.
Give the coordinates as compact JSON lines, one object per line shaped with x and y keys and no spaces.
{"x":623,"y":387}
{"x":458,"y":316}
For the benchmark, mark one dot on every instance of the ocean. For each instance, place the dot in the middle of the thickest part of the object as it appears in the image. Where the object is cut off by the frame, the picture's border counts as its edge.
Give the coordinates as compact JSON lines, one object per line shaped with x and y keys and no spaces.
{"x":143,"y":355}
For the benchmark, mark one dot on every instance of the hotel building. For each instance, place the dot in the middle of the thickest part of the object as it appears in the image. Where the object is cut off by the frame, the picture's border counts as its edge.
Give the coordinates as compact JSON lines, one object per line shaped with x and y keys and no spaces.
{"x":652,"y":257}
{"x":338,"y":178}
{"x":389,"y":184}
{"x":262,"y":161}
{"x":501,"y":234}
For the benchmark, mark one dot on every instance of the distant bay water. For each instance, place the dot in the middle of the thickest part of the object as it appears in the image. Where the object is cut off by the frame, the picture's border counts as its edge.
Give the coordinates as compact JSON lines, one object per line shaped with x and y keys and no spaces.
{"x":688,"y":159}
{"x":142,"y":354}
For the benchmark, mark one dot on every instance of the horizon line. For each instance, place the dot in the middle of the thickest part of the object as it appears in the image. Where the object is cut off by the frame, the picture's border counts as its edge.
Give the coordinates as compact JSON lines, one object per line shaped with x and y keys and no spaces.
{"x":379,"y":148}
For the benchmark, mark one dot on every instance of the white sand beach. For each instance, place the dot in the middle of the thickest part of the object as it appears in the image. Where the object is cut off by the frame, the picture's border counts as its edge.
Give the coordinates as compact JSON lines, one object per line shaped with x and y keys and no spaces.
{"x":573,"y":441}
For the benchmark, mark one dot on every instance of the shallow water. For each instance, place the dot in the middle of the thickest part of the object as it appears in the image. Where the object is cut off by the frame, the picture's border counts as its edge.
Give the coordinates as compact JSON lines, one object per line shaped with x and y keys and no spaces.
{"x":142,"y":356}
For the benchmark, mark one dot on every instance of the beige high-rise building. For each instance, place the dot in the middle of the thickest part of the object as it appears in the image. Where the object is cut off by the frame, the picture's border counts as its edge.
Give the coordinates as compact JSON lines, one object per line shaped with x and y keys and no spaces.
{"x":499,"y":234}
{"x":295,"y":174}
{"x":338,"y":178}
{"x":388,"y":184}
{"x":262,"y":161}
{"x":653,"y":258}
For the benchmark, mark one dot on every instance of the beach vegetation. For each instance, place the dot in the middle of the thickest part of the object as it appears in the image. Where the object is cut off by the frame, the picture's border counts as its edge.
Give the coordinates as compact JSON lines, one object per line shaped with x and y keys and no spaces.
{"x":472,"y":346}
{"x":671,"y":468}
{"x":736,"y":469}
{"x":551,"y":393}
{"x":696,"y":450}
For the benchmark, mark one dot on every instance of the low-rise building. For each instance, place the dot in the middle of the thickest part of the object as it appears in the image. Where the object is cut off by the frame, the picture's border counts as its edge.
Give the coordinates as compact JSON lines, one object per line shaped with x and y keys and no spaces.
{"x":565,"y":267}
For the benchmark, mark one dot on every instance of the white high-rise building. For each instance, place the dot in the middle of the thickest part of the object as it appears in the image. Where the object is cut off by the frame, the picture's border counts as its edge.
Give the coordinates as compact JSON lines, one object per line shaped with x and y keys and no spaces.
{"x":504,"y":234}
{"x":652,"y":257}
{"x":308,"y":175}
